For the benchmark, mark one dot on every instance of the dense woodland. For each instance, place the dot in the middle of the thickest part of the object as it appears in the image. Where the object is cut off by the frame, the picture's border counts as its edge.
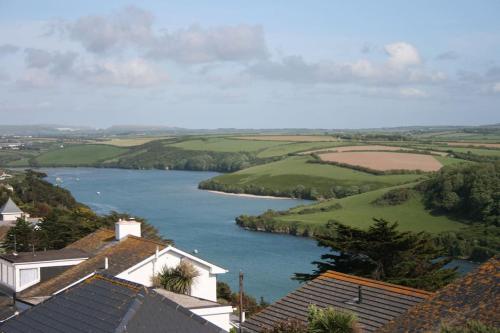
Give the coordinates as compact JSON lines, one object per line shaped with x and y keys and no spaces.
{"x":157,"y":155}
{"x":64,"y":220}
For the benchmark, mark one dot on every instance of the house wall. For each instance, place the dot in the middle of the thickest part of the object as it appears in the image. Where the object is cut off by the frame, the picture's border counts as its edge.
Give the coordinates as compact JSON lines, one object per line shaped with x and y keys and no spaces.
{"x":11,"y":217}
{"x":10,"y":273}
{"x":219,"y":316}
{"x":204,"y":286}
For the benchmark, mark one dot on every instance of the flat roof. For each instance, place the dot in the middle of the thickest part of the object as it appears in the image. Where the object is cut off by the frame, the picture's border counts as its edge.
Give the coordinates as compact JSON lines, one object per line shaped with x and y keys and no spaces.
{"x":49,"y":255}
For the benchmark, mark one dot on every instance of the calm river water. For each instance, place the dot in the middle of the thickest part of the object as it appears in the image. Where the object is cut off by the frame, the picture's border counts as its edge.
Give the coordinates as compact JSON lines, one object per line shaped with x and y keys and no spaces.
{"x":201,"y":220}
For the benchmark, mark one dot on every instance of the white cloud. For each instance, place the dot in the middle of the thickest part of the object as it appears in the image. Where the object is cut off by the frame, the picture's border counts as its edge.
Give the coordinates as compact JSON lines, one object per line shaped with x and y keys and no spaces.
{"x":496,"y":87}
{"x":198,"y":45}
{"x":402,"y":54}
{"x":35,"y":78}
{"x":132,"y":73}
{"x":132,"y":28}
{"x":412,"y":92}
{"x":101,"y":34}
{"x":402,"y":66}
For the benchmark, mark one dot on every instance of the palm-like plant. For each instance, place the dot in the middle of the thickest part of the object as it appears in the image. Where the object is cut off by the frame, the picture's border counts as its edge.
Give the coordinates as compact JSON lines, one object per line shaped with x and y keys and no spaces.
{"x":330,"y":320}
{"x":177,"y":279}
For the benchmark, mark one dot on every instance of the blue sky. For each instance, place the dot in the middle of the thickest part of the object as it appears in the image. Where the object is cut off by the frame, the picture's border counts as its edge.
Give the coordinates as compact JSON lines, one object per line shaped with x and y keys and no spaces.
{"x":250,"y":64}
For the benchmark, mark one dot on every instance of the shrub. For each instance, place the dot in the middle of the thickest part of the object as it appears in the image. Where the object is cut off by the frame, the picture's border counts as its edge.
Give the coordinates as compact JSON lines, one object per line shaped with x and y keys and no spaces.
{"x":330,"y":320}
{"x":178,"y":279}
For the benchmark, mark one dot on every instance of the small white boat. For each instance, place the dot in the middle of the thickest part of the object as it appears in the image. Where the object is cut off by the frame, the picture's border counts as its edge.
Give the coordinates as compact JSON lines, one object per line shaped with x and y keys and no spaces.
{"x":195,"y":251}
{"x":98,"y":193}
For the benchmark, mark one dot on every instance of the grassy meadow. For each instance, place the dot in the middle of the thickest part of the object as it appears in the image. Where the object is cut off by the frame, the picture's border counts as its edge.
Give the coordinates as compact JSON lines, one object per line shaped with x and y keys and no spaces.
{"x":85,"y":154}
{"x":358,"y":211}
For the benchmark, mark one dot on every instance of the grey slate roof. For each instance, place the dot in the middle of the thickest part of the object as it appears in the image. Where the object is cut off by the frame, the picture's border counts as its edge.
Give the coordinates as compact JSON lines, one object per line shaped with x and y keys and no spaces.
{"x":10,"y":207}
{"x":103,"y":303}
{"x":380,"y":302}
{"x":50,"y":255}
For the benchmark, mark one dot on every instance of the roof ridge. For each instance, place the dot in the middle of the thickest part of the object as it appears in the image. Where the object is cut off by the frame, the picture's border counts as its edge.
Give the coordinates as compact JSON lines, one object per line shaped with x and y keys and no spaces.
{"x":147,"y":240}
{"x":375,"y":283}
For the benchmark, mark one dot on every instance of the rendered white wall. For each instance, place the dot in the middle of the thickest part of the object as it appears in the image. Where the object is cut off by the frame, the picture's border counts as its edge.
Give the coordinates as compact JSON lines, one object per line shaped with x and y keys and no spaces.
{"x":125,"y":228}
{"x":219,"y":316}
{"x":204,"y":286}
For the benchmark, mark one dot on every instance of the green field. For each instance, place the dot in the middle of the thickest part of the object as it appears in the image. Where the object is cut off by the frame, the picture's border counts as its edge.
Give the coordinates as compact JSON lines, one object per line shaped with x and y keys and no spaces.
{"x":79,"y":155}
{"x":358,"y":211}
{"x":219,"y":144}
{"x":294,"y":171}
{"x":296,"y":147}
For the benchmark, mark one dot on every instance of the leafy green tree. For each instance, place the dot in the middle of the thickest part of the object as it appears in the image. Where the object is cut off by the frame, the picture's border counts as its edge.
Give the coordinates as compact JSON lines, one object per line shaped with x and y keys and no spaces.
{"x":470,"y":191}
{"x":21,"y":237}
{"x":384,"y":253}
{"x":330,"y":320}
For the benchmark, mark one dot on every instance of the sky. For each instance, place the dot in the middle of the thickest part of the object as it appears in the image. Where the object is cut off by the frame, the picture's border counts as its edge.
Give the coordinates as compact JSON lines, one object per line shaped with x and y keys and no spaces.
{"x":250,"y":64}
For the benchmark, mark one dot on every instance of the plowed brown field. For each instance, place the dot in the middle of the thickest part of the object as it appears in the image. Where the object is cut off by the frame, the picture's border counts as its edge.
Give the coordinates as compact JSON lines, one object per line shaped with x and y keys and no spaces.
{"x":384,"y":161}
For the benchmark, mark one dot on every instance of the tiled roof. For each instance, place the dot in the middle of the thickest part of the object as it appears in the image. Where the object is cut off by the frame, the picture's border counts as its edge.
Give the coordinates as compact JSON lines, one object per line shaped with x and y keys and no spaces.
{"x":380,"y":302}
{"x":94,"y":242}
{"x":50,"y":255}
{"x":10,"y":208}
{"x":476,"y":296}
{"x":121,"y":256}
{"x":103,"y":303}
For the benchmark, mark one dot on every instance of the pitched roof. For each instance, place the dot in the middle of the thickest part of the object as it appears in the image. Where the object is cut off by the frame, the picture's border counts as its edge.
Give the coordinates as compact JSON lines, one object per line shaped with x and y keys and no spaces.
{"x":380,"y":302}
{"x":475,"y":296}
{"x":103,"y":303}
{"x":94,"y":242}
{"x":50,"y":255}
{"x":121,"y":255}
{"x":10,"y":207}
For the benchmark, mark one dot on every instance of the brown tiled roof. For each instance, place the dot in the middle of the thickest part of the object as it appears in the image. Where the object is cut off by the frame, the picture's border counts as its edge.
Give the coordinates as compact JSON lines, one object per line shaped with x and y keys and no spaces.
{"x":476,"y":296}
{"x":94,"y":242}
{"x":121,"y":256}
{"x":380,"y":302}
{"x":50,"y":255}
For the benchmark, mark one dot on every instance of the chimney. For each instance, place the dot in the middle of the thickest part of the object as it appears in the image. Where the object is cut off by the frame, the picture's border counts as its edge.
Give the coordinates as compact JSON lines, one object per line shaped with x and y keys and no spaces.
{"x":124,"y":228}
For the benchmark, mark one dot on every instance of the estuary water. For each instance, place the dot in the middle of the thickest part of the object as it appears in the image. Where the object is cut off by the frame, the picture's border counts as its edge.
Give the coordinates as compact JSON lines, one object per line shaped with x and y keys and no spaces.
{"x":199,"y":220}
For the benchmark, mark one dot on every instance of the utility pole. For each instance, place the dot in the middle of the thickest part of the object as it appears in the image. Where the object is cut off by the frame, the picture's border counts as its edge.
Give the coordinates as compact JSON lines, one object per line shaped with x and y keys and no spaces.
{"x":241,"y":302}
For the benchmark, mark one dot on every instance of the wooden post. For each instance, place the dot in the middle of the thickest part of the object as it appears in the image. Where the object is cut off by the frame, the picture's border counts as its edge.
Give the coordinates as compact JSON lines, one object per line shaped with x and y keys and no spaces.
{"x":241,"y":302}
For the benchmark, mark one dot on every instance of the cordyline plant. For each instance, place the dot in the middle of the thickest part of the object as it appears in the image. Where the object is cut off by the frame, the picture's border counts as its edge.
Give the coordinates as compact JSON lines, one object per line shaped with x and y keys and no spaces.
{"x":328,"y":320}
{"x":177,"y":279}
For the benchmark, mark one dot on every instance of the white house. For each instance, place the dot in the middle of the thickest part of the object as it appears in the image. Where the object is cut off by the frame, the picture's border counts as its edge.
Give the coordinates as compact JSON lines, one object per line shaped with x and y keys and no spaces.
{"x":19,"y":271}
{"x":122,"y":253}
{"x":10,"y":212}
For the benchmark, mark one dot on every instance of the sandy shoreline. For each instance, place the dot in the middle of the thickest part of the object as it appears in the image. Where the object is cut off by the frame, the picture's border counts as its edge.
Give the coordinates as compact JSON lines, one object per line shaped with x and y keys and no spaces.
{"x":250,"y":195}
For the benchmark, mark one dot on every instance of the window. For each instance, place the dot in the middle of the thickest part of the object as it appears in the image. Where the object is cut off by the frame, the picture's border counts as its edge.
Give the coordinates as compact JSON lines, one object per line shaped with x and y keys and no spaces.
{"x":28,"y":276}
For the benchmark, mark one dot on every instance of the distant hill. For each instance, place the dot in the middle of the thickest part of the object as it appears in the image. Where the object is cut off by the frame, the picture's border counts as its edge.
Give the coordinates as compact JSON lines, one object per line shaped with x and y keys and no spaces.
{"x":54,"y":130}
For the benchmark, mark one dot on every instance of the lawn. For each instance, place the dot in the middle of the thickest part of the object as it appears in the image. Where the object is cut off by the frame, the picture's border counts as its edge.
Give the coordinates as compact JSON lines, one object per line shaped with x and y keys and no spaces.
{"x":296,"y":147}
{"x":129,"y":142}
{"x":293,"y":171}
{"x":79,"y":155}
{"x":358,"y":211}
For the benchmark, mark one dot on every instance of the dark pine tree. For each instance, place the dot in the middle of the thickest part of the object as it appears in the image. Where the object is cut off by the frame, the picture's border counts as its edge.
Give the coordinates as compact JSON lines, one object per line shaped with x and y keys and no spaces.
{"x":382,"y":252}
